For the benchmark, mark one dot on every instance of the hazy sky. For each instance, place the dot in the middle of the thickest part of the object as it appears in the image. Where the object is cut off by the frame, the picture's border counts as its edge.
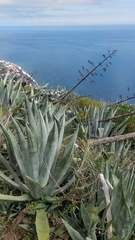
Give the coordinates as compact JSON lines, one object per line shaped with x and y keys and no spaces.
{"x":66,"y":12}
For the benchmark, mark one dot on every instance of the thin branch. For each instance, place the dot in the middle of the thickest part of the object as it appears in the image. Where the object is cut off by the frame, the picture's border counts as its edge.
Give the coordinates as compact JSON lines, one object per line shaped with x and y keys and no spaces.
{"x":118,"y":116}
{"x":121,"y":101}
{"x":113,"y":139}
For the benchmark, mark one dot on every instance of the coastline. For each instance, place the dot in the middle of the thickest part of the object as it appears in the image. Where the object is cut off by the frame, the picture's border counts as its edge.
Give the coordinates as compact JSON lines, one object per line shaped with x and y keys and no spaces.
{"x":15,"y":71}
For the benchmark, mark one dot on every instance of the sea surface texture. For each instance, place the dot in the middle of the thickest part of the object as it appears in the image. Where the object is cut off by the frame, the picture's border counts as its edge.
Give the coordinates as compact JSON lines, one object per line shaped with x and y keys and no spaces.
{"x":55,"y":54}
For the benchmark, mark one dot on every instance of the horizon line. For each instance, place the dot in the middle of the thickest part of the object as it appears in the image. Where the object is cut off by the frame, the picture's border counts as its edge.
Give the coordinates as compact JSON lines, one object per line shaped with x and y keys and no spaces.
{"x":70,"y":25}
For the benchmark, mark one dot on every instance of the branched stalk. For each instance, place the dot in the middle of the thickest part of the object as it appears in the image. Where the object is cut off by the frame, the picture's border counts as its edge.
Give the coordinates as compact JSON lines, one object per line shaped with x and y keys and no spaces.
{"x":88,"y":74}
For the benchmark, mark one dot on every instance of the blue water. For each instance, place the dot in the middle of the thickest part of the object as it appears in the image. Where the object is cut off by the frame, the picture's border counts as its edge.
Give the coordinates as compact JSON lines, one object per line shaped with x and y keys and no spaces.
{"x":55,"y":54}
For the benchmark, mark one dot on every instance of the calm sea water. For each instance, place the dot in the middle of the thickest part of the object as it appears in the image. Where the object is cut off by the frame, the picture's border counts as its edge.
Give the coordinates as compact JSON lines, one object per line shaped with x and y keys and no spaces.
{"x":55,"y":54}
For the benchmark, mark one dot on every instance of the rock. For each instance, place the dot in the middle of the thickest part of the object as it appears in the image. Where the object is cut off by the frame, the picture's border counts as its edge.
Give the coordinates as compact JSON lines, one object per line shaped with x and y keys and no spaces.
{"x":16,"y":72}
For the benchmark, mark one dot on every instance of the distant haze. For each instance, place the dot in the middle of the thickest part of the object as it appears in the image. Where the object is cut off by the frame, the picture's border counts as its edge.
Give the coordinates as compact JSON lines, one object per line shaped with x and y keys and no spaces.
{"x":66,"y":12}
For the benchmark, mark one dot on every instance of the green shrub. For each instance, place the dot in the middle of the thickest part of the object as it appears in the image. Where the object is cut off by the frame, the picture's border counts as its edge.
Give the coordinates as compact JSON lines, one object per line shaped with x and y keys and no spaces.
{"x":124,"y":109}
{"x":85,"y":102}
{"x":81,"y":104}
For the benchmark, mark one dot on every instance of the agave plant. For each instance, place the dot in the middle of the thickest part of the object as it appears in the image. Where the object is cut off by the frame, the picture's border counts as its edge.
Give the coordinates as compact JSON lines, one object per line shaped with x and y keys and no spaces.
{"x":121,"y":196}
{"x":89,"y":220}
{"x":35,"y":149}
{"x":10,"y":93}
{"x":122,"y":203}
{"x":98,"y":127}
{"x":55,"y":94}
{"x":110,"y":214}
{"x":98,"y":124}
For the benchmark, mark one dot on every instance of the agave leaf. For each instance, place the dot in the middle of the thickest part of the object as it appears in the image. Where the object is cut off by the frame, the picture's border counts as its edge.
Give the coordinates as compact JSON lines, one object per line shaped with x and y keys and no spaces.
{"x":61,"y":132}
{"x":31,"y":119}
{"x":44,"y":107}
{"x":125,"y":222}
{"x":60,"y":138}
{"x":89,"y":223}
{"x":11,"y":156}
{"x":50,"y":119}
{"x":115,"y":180}
{"x":17,"y":180}
{"x":23,"y":146}
{"x":75,"y":224}
{"x":115,"y":238}
{"x":8,"y":91}
{"x":108,"y":128}
{"x":26,"y":227}
{"x":5,"y":78}
{"x":81,"y":133}
{"x":65,"y":187}
{"x":49,"y":156}
{"x":62,"y":167}
{"x":43,"y":135}
{"x":75,"y":235}
{"x":47,"y":123}
{"x":95,"y":120}
{"x":57,"y":111}
{"x":121,"y":205}
{"x":130,"y":187}
{"x":16,"y":94}
{"x":112,"y":113}
{"x":42,"y":225}
{"x":1,"y":89}
{"x":115,"y":168}
{"x":34,"y":109}
{"x":8,"y":180}
{"x":101,"y":132}
{"x":120,"y":128}
{"x":60,"y":231}
{"x":132,"y":226}
{"x":65,"y":162}
{"x":118,"y":200}
{"x":23,"y":197}
{"x":35,"y":188}
{"x":33,"y":156}
{"x":11,"y":140}
{"x":119,"y":150}
{"x":104,"y":213}
{"x":102,"y":114}
{"x":8,"y":95}
{"x":12,"y":88}
{"x":89,"y":129}
{"x":17,"y":83}
{"x":93,"y":113}
{"x":4,"y":99}
{"x":70,"y":120}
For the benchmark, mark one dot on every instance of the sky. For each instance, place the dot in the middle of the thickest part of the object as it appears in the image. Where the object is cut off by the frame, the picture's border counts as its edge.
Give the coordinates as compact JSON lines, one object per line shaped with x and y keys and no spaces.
{"x":66,"y":12}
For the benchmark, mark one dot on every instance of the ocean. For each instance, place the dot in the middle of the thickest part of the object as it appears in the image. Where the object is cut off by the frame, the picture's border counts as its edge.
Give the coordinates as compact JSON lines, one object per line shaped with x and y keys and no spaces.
{"x":55,"y":54}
